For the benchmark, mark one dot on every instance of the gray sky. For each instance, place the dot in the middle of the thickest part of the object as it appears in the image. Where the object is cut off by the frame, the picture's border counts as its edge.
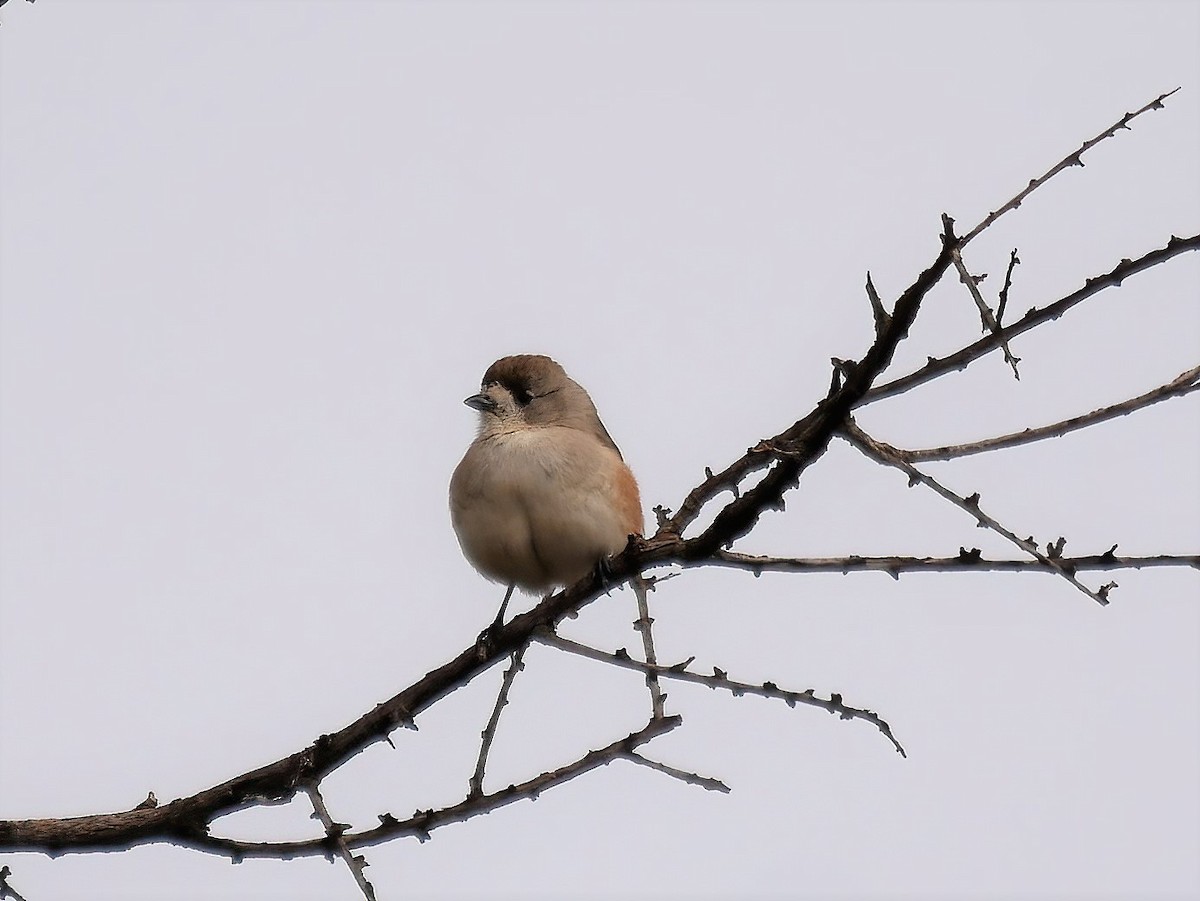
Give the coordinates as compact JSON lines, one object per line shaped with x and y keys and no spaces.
{"x":253,"y":256}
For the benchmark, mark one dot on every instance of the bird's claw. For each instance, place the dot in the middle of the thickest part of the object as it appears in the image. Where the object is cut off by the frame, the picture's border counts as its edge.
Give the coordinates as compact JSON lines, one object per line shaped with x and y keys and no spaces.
{"x":485,"y":644}
{"x":604,"y":574}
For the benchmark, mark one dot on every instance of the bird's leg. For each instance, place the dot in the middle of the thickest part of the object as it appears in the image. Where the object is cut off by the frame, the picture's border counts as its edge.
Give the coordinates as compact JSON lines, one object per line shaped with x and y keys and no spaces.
{"x":499,"y":620}
{"x":487,"y":638}
{"x":604,"y":574}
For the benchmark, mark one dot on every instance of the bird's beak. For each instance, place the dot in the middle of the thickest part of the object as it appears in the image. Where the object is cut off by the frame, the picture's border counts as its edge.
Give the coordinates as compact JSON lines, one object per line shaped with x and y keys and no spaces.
{"x":481,"y":402}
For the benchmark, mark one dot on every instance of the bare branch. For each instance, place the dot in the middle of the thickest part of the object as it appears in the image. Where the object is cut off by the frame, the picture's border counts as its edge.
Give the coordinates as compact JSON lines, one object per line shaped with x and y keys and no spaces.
{"x":489,"y":732}
{"x":881,"y":316}
{"x":966,"y":561}
{"x":644,"y":625}
{"x":6,"y":890}
{"x":705,"y":782}
{"x":1008,"y":273}
{"x":806,"y":439}
{"x":989,"y":321}
{"x":882,"y":454}
{"x":1178,"y":387}
{"x":1073,"y":159}
{"x":334,"y":833}
{"x":719,"y":679}
{"x":962,"y":358}
{"x":423,"y":822}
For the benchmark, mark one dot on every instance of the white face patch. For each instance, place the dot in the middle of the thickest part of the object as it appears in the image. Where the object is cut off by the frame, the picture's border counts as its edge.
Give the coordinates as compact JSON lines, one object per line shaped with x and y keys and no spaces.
{"x":506,"y":417}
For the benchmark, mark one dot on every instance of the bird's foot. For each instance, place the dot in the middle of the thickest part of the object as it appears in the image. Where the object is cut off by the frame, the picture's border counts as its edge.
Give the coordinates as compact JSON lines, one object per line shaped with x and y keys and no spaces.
{"x":485,"y":644}
{"x":604,"y":574}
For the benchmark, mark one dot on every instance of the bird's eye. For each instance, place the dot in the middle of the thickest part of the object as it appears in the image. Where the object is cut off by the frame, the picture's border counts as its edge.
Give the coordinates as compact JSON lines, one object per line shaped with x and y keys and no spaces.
{"x":521,"y":395}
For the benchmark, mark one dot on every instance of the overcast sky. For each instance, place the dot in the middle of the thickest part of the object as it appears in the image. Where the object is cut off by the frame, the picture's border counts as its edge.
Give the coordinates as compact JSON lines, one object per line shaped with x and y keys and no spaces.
{"x":254,"y":254}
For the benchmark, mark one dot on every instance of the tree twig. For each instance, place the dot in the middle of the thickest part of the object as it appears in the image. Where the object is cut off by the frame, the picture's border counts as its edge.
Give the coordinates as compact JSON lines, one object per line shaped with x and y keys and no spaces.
{"x":719,"y":679}
{"x":423,"y":822}
{"x":489,"y":732}
{"x":878,"y":313}
{"x":962,"y":358}
{"x":966,"y":561}
{"x":1008,"y":273}
{"x":334,"y":833}
{"x":985,"y":312}
{"x":644,"y":625}
{"x":880,"y":453}
{"x":1186,"y":383}
{"x":705,"y":782}
{"x":1072,"y":159}
{"x":6,"y":890}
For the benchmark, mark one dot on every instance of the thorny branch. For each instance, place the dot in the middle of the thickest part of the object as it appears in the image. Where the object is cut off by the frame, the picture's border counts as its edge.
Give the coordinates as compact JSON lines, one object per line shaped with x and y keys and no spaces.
{"x":990,"y":322}
{"x":644,"y":626}
{"x":720,"y":679}
{"x":1008,"y":273}
{"x":705,"y":782}
{"x":1071,"y":159}
{"x":335,"y":832}
{"x":729,"y":478}
{"x":966,"y":561}
{"x":489,"y":733}
{"x":6,"y":890}
{"x":880,"y":453}
{"x":1185,"y":383}
{"x":962,"y":358}
{"x":422,"y":823}
{"x":187,"y":821}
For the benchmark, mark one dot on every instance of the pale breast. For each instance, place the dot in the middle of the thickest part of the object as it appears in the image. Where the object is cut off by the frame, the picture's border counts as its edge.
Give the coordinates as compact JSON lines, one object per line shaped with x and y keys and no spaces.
{"x":539,"y":507}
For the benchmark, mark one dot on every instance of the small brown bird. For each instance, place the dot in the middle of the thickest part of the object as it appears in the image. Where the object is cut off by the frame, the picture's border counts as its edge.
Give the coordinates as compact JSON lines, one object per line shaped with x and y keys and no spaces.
{"x":542,"y":495}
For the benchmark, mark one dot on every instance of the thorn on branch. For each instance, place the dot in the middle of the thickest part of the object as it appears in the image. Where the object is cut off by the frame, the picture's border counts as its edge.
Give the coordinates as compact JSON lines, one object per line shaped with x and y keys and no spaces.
{"x":149,"y":804}
{"x":1012,"y":262}
{"x":845,"y":368}
{"x":662,"y":515}
{"x":947,"y":230}
{"x":972,"y":556}
{"x":421,"y":820}
{"x":1054,"y":549}
{"x":882,"y":318}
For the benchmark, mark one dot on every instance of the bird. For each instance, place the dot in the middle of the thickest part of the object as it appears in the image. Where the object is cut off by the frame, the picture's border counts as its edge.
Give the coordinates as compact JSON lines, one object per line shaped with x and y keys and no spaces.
{"x":542,"y":495}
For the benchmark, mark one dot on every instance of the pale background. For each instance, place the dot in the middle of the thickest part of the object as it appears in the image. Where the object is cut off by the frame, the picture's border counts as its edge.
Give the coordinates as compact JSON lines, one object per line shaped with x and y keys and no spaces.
{"x":255,"y":254}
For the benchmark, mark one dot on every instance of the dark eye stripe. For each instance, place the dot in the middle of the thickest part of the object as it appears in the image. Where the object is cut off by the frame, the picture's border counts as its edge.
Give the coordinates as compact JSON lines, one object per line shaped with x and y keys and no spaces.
{"x":520,"y":391}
